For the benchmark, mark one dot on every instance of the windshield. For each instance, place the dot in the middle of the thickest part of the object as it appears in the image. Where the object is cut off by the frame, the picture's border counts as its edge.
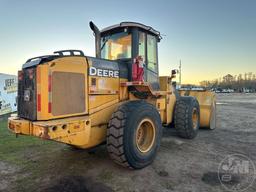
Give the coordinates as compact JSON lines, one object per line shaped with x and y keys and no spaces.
{"x":116,"y":46}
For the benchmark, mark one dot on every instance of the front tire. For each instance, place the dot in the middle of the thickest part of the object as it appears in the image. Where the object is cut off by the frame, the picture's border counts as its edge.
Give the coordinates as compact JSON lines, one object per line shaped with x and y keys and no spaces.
{"x":134,"y":134}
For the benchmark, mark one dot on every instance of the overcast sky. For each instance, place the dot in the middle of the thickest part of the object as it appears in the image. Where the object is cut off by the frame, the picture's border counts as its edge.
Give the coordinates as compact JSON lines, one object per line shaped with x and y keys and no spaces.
{"x":211,"y":37}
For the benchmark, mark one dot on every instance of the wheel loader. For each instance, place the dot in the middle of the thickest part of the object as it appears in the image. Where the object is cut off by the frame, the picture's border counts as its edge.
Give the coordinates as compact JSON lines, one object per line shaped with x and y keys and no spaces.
{"x":85,"y":101}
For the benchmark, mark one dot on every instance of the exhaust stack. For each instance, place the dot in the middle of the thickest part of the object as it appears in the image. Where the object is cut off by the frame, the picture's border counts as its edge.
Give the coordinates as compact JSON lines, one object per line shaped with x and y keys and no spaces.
{"x":96,"y":31}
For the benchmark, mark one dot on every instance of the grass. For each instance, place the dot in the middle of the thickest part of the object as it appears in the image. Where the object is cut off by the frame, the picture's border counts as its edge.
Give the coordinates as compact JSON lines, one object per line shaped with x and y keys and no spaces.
{"x":39,"y":163}
{"x":28,"y":154}
{"x":12,"y":148}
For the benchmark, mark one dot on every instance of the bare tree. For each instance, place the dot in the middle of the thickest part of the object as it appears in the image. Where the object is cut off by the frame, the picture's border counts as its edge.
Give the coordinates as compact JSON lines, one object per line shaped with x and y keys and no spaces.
{"x":240,"y":82}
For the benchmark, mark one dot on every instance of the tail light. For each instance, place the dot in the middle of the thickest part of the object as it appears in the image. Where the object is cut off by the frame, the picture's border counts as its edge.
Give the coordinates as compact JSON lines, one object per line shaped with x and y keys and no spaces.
{"x":38,"y":79}
{"x":38,"y":102}
{"x":49,"y":107}
{"x":50,"y":93}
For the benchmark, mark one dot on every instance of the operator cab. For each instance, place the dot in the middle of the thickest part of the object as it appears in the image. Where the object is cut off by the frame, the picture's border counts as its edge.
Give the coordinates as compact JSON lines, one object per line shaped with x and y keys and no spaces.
{"x":124,"y":42}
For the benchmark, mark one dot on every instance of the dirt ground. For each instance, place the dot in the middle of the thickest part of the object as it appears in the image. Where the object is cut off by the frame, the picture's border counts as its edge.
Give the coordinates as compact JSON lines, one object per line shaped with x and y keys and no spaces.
{"x":30,"y":164}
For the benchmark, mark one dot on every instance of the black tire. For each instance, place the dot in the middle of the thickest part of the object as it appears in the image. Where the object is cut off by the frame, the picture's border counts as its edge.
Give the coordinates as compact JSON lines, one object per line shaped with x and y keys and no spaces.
{"x":185,"y":108}
{"x":121,"y":134}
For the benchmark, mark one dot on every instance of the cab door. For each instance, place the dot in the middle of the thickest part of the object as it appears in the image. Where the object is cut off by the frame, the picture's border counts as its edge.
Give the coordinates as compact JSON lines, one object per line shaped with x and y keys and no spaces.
{"x":148,"y":50}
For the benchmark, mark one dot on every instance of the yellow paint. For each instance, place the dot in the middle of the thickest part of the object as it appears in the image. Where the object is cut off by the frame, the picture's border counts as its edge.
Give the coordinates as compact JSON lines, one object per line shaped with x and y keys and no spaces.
{"x":65,"y":64}
{"x":42,"y":88}
{"x":160,"y":106}
{"x":103,"y":96}
{"x":82,"y":131}
{"x":170,"y":105}
{"x":165,"y":83}
{"x":145,"y":135}
{"x":102,"y":116}
{"x":206,"y":100}
{"x":19,"y":126}
{"x":104,"y":85}
{"x":103,"y":106}
{"x":123,"y":91}
{"x":98,"y":100}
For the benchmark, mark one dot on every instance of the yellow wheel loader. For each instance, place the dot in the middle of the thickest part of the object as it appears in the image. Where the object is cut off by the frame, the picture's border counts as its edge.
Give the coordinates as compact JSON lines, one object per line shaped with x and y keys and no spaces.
{"x":86,"y":101}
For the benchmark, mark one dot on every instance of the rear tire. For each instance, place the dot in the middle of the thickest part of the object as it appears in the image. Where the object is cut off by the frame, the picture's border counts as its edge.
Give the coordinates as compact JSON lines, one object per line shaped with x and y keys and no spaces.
{"x":187,"y":117}
{"x":134,"y":134}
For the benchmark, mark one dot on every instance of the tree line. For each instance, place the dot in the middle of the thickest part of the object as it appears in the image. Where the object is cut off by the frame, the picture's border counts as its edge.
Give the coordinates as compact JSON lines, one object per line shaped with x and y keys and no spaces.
{"x":238,"y":83}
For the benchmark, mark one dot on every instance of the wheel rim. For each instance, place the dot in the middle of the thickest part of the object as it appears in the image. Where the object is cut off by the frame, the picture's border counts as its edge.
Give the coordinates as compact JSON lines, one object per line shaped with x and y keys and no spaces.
{"x":145,"y":135}
{"x":195,"y":118}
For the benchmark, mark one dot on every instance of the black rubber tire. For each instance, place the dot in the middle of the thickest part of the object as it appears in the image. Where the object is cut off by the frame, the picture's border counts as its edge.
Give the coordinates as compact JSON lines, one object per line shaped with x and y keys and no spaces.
{"x":121,"y":134}
{"x":183,"y":117}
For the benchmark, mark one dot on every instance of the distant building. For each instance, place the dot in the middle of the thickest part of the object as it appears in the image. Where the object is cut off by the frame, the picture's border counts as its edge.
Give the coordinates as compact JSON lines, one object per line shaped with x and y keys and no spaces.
{"x":8,"y":93}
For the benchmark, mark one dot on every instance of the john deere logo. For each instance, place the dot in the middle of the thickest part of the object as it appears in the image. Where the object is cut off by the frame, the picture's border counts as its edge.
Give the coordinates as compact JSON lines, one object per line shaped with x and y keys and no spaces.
{"x":93,"y":71}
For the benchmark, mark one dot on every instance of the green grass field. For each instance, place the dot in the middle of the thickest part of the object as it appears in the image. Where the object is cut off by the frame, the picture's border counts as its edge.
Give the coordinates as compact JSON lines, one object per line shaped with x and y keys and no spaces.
{"x":12,"y":148}
{"x":27,"y":155}
{"x":31,"y":164}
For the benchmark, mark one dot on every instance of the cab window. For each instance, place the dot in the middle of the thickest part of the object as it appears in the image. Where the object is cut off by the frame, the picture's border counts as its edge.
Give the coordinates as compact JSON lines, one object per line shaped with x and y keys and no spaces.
{"x":116,"y":46}
{"x":142,"y":45}
{"x":151,"y":50}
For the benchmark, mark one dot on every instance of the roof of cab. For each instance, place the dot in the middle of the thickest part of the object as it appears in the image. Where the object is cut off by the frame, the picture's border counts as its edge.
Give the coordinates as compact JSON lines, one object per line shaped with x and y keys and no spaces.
{"x":132,"y":24}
